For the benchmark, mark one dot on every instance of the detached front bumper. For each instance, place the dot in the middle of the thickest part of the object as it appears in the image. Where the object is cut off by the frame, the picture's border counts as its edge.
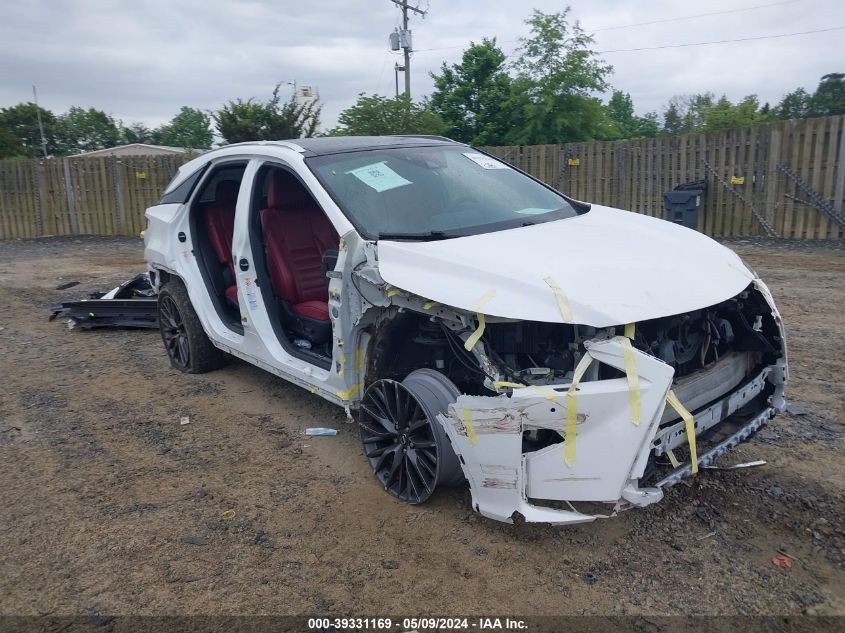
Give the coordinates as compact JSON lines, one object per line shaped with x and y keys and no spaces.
{"x":611,"y":452}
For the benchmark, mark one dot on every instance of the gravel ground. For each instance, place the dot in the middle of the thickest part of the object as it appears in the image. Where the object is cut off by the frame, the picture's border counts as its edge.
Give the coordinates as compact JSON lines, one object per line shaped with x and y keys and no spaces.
{"x":110,"y":506}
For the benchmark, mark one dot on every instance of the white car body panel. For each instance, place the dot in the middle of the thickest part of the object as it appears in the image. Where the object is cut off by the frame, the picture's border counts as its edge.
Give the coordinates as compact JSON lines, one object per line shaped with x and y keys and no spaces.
{"x":614,"y":267}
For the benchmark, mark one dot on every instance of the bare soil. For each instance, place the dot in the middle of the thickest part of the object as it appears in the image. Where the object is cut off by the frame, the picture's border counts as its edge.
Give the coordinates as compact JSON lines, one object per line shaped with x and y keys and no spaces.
{"x":109,"y":505}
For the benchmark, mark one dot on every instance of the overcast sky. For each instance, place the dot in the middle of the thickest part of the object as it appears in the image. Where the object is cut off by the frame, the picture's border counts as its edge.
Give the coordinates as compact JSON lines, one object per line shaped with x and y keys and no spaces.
{"x":141,"y":60}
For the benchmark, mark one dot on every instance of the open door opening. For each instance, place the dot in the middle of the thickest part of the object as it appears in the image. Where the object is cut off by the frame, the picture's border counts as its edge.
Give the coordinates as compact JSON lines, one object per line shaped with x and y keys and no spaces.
{"x":212,"y":220}
{"x":299,"y":246}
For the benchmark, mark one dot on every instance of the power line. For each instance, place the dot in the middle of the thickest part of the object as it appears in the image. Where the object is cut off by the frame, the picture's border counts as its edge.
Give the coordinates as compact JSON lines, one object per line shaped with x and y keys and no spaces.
{"x":740,"y":39}
{"x":692,"y":17}
{"x":627,"y":26}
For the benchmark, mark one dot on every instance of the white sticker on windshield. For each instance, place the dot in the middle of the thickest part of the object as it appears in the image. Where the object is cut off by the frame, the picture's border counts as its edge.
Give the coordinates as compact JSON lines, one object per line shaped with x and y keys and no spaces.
{"x":379,"y":176}
{"x":487,"y":162}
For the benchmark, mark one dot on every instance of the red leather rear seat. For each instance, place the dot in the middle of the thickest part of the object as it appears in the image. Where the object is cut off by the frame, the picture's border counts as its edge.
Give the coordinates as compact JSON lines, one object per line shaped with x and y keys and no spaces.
{"x":296,"y":235}
{"x":220,"y":226}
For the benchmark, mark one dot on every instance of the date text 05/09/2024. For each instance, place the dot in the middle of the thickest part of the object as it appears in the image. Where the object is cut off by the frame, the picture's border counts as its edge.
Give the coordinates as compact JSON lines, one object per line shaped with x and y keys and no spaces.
{"x":417,"y":625}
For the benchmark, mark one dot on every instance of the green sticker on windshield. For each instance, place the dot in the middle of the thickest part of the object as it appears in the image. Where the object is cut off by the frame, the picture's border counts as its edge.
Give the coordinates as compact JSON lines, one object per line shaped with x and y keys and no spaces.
{"x":379,"y":176}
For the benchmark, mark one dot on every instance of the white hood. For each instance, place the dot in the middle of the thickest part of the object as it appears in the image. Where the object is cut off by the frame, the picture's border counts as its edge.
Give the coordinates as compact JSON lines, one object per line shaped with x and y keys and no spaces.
{"x":614,"y":267}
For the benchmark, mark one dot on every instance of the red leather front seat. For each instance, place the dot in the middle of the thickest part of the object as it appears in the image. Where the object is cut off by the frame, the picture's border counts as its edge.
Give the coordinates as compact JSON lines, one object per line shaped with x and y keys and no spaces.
{"x":220,"y":226}
{"x":296,"y":235}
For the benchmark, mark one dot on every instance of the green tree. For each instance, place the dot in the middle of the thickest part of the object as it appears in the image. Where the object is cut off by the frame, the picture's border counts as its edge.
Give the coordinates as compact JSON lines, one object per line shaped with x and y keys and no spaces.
{"x":137,"y":133}
{"x":794,"y":105}
{"x":474,"y":97}
{"x":250,"y":120}
{"x":557,"y":74}
{"x":624,"y":121}
{"x":81,"y":130}
{"x":375,"y":115}
{"x":685,"y":114}
{"x":724,"y":114}
{"x":829,"y":97}
{"x":21,"y":135}
{"x":190,"y":128}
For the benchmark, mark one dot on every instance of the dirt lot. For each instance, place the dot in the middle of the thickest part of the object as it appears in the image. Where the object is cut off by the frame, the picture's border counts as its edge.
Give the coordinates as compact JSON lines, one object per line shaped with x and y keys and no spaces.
{"x":109,"y":505}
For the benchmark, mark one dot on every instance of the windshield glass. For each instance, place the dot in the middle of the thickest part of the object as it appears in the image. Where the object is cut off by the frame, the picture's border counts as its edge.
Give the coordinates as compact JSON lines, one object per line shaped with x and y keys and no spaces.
{"x":434,"y":192}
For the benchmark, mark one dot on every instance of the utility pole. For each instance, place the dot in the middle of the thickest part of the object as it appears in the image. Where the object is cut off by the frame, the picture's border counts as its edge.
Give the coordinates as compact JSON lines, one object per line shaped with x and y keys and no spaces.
{"x":405,"y":39}
{"x":40,"y":125}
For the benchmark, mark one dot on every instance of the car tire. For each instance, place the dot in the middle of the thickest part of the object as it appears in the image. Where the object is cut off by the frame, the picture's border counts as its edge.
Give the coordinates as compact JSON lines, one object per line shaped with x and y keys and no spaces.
{"x":407,"y":448}
{"x":188,"y":347}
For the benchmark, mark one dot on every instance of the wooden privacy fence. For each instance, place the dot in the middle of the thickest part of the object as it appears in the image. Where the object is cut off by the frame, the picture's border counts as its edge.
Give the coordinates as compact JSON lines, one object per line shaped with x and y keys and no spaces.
{"x":73,"y":196}
{"x":790,"y":174}
{"x":787,"y":172}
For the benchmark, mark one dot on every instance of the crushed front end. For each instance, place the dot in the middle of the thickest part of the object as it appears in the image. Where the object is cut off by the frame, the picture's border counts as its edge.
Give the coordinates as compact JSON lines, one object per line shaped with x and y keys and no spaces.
{"x":581,"y":416}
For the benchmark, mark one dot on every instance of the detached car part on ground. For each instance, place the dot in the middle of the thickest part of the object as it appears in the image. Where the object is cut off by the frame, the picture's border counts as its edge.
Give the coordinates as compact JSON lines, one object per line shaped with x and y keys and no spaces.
{"x":484,"y":327}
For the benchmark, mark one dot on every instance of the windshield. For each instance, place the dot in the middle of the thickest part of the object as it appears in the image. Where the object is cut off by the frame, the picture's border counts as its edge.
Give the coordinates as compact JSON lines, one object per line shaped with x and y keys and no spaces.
{"x":434,"y":192}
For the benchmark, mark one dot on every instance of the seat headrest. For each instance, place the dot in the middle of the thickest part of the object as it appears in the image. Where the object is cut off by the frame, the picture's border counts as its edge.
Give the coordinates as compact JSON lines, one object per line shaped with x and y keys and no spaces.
{"x":285,"y":191}
{"x":226,"y":191}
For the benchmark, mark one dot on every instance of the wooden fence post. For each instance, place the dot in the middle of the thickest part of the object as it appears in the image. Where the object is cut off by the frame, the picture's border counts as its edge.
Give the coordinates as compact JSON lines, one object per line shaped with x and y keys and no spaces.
{"x":120,"y":207}
{"x":840,"y":177}
{"x":42,"y":212}
{"x":71,"y":204}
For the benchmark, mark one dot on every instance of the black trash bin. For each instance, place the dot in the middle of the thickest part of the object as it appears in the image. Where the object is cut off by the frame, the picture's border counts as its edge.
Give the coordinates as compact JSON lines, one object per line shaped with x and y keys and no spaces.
{"x":682,"y":207}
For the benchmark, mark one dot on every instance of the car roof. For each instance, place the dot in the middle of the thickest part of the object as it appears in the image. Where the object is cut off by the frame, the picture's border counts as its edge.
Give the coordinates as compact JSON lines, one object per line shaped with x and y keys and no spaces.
{"x":320,"y":146}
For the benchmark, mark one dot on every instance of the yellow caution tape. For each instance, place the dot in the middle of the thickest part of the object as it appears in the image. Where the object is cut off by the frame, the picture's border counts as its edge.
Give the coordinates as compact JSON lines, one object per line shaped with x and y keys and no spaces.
{"x":473,"y":338}
{"x":562,"y":301}
{"x":572,"y":410}
{"x":689,"y":423}
{"x":347,"y":395}
{"x":470,"y":428}
{"x":630,"y":330}
{"x":504,"y":384}
{"x":671,"y":455}
{"x":428,"y":305}
{"x":633,"y":379}
{"x":476,"y":307}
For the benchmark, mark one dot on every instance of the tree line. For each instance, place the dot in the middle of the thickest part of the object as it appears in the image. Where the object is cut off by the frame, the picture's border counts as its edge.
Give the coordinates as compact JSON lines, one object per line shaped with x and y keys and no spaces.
{"x":545,"y":94}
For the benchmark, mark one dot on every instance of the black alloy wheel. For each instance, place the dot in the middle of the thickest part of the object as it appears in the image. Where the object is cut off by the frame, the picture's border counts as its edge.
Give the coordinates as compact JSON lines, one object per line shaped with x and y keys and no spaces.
{"x":408,"y":450}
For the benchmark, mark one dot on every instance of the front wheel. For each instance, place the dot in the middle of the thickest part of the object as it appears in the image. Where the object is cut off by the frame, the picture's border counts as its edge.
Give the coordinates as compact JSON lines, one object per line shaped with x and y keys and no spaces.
{"x":187,"y":344}
{"x":407,"y":448}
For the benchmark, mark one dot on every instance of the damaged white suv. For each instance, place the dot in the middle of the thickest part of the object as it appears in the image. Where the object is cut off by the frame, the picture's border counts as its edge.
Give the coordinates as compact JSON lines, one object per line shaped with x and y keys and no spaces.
{"x":485,"y":327}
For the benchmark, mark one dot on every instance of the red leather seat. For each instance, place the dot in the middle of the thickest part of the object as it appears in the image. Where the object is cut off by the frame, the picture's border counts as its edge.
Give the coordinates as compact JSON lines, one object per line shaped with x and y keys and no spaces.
{"x":220,"y":226}
{"x":296,"y":235}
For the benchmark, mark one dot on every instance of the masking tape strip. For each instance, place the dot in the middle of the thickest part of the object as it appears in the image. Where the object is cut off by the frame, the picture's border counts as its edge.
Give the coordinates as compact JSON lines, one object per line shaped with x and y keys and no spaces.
{"x":470,"y":428}
{"x":359,"y":359}
{"x":473,"y":338}
{"x":572,"y":410}
{"x":633,"y":379}
{"x":547,"y":392}
{"x":630,"y":330}
{"x":689,"y":423}
{"x":428,"y":305}
{"x":504,"y":384}
{"x":393,"y":292}
{"x":674,"y":460}
{"x":347,"y":395}
{"x":562,"y":301}
{"x":479,"y":331}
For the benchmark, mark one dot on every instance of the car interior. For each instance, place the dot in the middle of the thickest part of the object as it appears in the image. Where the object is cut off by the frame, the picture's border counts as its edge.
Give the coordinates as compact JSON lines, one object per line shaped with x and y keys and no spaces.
{"x":213,"y":225}
{"x":299,"y":245}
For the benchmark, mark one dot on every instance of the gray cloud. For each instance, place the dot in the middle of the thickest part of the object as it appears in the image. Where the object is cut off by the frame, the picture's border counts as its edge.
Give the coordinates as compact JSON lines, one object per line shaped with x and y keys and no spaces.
{"x":142,"y":60}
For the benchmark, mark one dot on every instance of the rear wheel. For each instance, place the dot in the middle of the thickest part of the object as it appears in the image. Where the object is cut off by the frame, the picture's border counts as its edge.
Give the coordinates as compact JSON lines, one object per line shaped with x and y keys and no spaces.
{"x":187,"y":344}
{"x":407,"y":448}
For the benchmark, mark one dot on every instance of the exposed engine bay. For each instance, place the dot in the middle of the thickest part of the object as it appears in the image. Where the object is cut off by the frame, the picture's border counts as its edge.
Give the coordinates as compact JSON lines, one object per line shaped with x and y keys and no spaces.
{"x":534,"y":353}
